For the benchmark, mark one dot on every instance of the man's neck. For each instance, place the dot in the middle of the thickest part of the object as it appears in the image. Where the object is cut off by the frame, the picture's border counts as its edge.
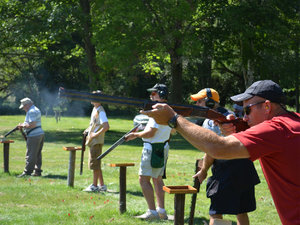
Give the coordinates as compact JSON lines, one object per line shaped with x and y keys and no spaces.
{"x":279,"y":110}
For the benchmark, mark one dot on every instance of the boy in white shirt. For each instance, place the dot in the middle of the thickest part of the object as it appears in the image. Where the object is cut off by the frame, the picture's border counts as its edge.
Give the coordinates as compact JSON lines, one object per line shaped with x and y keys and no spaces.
{"x":95,"y":140}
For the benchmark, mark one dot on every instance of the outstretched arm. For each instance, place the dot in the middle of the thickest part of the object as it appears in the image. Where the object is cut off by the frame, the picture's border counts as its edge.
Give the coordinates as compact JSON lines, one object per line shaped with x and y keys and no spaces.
{"x":148,"y":133}
{"x":203,"y":139}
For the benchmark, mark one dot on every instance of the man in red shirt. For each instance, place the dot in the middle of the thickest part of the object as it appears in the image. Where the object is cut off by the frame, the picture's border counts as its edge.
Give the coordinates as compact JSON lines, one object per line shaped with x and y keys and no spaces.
{"x":273,"y":138}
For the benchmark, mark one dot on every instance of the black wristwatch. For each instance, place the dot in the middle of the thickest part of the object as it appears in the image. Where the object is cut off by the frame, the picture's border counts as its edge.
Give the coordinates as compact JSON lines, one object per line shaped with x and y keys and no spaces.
{"x":173,"y":122}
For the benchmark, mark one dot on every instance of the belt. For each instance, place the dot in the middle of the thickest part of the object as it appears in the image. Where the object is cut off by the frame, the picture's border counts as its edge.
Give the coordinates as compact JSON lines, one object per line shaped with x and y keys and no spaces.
{"x":157,"y":142}
{"x":27,"y":132}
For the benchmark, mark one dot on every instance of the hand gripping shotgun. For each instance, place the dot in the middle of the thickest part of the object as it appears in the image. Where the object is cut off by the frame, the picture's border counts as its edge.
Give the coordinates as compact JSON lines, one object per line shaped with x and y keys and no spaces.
{"x":184,"y":110}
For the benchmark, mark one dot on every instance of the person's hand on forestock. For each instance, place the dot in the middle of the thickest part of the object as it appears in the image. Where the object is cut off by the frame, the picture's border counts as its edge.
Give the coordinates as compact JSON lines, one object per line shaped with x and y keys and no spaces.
{"x":130,"y":136}
{"x":227,"y":128}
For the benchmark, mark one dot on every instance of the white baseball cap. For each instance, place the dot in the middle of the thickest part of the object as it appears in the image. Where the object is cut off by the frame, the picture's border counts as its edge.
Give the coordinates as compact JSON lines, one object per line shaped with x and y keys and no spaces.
{"x":24,"y":102}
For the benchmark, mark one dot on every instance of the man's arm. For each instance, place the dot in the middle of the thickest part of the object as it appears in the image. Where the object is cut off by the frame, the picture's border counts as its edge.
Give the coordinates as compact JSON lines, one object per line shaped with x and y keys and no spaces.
{"x":105,"y":127}
{"x":203,"y":139}
{"x":27,"y":125}
{"x":206,"y":164}
{"x":149,"y":133}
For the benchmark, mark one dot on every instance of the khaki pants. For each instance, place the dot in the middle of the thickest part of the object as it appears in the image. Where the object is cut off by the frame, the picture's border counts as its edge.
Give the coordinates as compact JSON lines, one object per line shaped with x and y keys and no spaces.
{"x":34,"y":154}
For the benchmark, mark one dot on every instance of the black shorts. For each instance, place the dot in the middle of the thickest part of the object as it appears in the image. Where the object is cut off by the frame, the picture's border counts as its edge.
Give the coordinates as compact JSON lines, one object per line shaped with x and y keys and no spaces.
{"x":233,"y":202}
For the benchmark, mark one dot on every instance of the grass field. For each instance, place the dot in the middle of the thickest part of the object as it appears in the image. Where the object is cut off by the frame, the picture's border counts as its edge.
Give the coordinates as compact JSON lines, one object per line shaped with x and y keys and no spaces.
{"x":49,"y":200}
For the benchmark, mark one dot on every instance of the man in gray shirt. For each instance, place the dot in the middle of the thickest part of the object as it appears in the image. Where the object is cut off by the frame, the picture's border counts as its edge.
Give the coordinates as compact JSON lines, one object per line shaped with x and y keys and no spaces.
{"x":35,"y":138}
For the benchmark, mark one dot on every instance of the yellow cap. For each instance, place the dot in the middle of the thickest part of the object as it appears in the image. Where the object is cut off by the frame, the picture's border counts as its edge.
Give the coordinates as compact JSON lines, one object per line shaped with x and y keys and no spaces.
{"x":204,"y":93}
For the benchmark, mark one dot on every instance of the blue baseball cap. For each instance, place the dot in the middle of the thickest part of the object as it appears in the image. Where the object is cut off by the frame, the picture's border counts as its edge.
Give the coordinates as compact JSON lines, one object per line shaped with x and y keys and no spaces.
{"x":267,"y":89}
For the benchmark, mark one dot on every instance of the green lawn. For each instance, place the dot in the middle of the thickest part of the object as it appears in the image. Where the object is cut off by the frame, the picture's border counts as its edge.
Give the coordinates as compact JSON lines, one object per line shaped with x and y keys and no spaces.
{"x":49,"y":200}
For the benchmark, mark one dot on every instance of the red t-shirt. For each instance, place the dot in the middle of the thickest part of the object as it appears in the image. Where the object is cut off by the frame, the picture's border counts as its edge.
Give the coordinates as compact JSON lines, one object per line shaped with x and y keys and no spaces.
{"x":276,"y":143}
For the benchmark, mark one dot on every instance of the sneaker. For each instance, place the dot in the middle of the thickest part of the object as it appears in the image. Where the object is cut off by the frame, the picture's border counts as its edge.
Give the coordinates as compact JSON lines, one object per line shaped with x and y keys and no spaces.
{"x":102,"y":188}
{"x":162,"y":213}
{"x":24,"y":174}
{"x":36,"y":174}
{"x":149,"y":215}
{"x":92,"y":188}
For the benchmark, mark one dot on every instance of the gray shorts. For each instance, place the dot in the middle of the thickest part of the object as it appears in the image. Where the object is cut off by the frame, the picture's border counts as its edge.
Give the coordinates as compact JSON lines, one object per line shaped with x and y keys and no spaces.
{"x":145,"y":166}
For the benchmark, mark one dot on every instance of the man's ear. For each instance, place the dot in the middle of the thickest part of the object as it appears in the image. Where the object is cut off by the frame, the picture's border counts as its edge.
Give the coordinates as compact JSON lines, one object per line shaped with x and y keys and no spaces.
{"x":268,"y":106}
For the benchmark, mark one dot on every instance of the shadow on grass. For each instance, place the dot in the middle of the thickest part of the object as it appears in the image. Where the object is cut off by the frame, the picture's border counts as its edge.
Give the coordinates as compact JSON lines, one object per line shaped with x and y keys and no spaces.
{"x":74,"y":136}
{"x":202,"y":220}
{"x":197,"y":220}
{"x":135,"y":193}
{"x":54,"y":176}
{"x":49,"y":176}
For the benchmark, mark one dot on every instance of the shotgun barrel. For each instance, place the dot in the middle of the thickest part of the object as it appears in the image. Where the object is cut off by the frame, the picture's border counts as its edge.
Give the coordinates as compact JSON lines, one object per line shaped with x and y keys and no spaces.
{"x":184,"y":110}
{"x":11,"y":131}
{"x":84,"y":135}
{"x":117,"y":143}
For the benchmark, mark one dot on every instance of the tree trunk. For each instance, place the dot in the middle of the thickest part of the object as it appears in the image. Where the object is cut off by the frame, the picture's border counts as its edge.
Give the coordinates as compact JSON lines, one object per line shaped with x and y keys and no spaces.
{"x":176,"y":73}
{"x":205,"y":68}
{"x":87,"y":38}
{"x":247,"y":62}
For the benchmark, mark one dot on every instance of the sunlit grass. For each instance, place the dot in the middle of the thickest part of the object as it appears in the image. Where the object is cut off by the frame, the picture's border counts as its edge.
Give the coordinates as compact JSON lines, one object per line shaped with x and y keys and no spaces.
{"x":48,"y":199}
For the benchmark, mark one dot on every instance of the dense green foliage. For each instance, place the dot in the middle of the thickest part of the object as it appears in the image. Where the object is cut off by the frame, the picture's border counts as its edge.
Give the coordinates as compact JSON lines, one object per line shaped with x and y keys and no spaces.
{"x":123,"y":47}
{"x":48,"y":199}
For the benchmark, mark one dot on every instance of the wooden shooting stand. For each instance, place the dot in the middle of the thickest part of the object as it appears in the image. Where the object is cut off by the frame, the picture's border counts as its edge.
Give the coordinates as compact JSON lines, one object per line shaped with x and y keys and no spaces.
{"x":122,"y":179}
{"x":179,"y":200}
{"x":72,"y":160}
{"x":6,"y":154}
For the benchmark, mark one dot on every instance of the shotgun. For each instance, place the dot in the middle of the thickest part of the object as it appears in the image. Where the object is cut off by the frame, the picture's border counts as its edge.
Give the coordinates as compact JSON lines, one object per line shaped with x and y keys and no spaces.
{"x":117,"y":143}
{"x":13,"y":130}
{"x":84,"y":135}
{"x":184,"y":110}
{"x":23,"y":133}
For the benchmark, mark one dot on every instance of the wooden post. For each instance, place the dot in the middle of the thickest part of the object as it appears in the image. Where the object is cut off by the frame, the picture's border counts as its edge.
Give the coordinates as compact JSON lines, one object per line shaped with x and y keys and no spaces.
{"x":6,"y":154}
{"x":122,"y":181}
{"x":71,"y":170}
{"x":72,"y":159}
{"x":179,"y":200}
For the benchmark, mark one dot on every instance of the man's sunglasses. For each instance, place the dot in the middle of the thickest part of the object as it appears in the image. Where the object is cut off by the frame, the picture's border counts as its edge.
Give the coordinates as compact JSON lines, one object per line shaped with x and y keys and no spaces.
{"x":247,"y":109}
{"x":153,"y":93}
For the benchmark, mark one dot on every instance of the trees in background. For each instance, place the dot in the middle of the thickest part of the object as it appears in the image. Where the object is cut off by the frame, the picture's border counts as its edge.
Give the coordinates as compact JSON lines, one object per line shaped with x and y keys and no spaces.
{"x":123,"y":47}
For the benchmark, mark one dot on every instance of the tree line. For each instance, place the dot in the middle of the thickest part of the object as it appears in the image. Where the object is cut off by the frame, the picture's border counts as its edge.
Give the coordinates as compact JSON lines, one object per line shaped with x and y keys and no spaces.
{"x":123,"y":47}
